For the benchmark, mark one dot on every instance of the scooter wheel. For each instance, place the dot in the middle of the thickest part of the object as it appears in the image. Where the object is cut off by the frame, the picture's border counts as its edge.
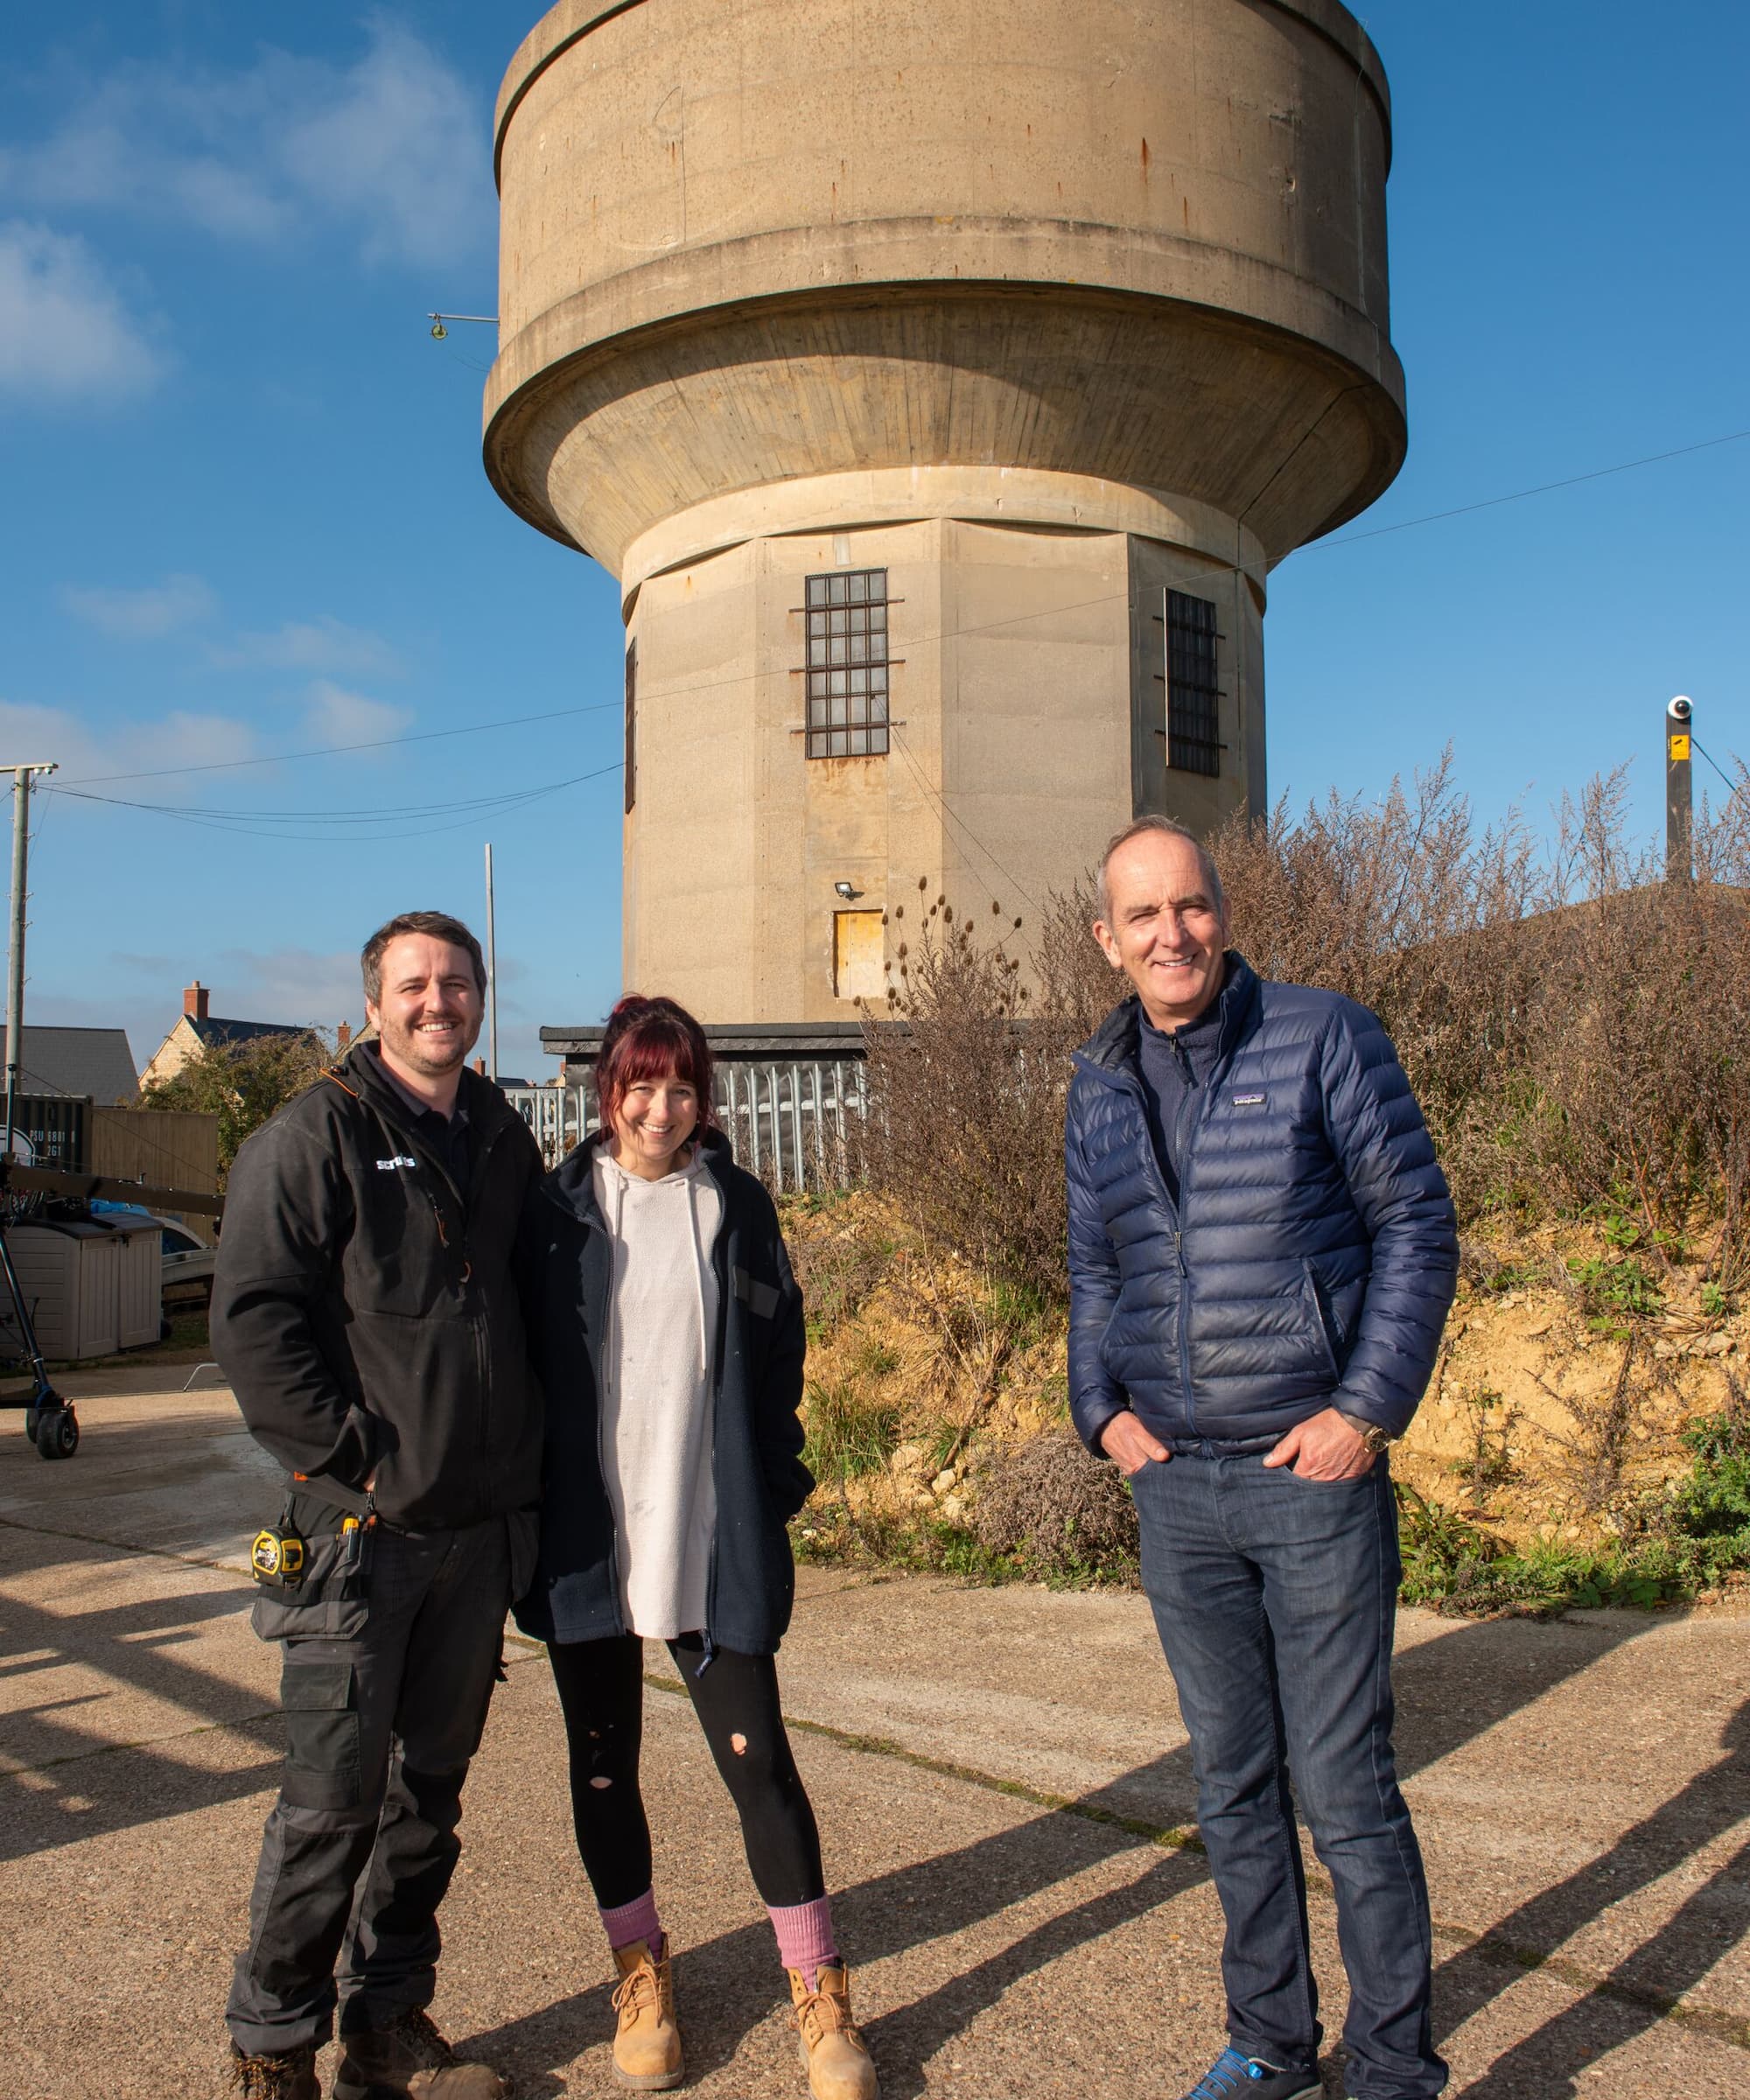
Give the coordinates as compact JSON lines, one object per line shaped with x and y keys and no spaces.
{"x":57,"y":1433}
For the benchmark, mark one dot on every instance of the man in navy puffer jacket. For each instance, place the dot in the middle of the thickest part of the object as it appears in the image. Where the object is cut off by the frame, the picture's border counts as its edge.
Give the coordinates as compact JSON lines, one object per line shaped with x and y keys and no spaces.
{"x":1261,"y":1254}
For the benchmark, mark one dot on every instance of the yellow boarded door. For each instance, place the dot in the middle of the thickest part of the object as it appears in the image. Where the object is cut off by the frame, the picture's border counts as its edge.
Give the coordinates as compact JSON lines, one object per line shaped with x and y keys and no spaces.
{"x":856,"y":957}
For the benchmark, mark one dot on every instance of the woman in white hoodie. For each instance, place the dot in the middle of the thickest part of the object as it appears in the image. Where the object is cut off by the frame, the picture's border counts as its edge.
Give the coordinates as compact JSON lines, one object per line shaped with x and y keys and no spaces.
{"x":666,"y":1328}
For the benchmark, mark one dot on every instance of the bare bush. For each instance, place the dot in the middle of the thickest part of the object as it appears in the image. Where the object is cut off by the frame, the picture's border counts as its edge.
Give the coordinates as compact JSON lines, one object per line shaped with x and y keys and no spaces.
{"x":966,"y":1093}
{"x":1576,"y":1028}
{"x":1411,"y":908}
{"x":1640,"y":1050}
{"x":1050,"y":1504}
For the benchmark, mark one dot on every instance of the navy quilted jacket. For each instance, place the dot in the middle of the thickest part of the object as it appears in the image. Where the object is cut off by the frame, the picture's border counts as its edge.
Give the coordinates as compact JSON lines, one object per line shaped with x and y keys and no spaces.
{"x":1312,"y":1256}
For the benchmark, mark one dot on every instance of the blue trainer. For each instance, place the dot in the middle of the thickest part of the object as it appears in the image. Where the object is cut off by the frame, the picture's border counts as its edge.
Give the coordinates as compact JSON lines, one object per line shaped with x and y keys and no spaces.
{"x":1235,"y":2077}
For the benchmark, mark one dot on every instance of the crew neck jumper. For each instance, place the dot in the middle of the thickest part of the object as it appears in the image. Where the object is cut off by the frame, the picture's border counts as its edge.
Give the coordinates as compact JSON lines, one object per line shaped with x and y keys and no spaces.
{"x":657,"y":1397}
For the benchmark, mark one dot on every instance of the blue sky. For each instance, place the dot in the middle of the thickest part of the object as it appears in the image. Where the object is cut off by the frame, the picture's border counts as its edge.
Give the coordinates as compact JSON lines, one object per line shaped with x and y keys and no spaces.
{"x":245,"y":514}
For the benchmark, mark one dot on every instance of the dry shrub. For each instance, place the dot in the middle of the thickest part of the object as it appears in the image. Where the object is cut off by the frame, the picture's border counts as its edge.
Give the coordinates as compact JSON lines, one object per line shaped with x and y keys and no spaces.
{"x":968,"y":1074}
{"x":839,"y":1253}
{"x":1576,"y":1028}
{"x":1050,"y":1505}
{"x":1409,"y":907}
{"x":1640,"y":1048}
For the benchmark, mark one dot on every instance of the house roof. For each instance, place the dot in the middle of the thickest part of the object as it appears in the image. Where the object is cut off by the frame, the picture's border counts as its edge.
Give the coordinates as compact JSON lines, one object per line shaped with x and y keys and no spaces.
{"x":93,"y":1062}
{"x":216,"y":1034}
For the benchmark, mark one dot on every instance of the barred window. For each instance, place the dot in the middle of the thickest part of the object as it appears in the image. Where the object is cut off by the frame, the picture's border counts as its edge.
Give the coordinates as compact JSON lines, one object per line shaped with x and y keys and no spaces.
{"x":1193,"y":695}
{"x":847,"y":665}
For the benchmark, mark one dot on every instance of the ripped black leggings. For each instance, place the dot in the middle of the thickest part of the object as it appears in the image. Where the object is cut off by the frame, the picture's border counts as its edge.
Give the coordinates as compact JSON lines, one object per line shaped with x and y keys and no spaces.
{"x":601,"y":1688}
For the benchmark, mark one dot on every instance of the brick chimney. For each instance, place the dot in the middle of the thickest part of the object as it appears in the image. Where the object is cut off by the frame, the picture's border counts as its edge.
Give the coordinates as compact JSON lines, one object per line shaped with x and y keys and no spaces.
{"x":194,"y":1001}
{"x":343,"y":1035}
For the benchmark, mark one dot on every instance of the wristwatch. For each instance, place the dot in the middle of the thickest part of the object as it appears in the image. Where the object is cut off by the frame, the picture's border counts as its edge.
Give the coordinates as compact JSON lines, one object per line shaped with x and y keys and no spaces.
{"x":1370,"y":1433}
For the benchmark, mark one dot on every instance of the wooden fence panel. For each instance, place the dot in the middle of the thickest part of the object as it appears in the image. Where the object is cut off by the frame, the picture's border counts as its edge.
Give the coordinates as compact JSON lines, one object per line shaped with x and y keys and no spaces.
{"x":169,"y":1148}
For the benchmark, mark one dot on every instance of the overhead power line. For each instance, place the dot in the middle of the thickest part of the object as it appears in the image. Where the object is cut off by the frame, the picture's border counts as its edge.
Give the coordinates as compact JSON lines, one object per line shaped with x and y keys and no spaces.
{"x":1206,"y":570}
{"x":1544,"y":488}
{"x":246,"y":823}
{"x":329,"y":751}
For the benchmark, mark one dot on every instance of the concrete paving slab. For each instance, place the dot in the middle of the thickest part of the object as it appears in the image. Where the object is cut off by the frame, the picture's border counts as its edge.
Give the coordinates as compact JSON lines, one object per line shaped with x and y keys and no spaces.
{"x":999,"y":1777}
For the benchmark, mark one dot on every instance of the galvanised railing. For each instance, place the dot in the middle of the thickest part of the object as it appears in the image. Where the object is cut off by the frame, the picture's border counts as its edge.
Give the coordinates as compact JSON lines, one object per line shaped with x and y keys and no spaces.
{"x":792,"y":1124}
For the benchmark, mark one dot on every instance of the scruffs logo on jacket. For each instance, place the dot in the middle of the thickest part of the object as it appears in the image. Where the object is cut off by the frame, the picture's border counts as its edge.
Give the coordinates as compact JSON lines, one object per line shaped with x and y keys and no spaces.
{"x":387,"y":1166}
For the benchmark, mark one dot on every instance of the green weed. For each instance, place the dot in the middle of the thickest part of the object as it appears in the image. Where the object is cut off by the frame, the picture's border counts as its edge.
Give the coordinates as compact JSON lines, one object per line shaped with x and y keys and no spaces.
{"x":849,"y":1434}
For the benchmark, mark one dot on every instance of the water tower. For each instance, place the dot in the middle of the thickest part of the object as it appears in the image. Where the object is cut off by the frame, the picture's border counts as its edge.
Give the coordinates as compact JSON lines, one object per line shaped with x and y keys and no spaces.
{"x":941,"y":380}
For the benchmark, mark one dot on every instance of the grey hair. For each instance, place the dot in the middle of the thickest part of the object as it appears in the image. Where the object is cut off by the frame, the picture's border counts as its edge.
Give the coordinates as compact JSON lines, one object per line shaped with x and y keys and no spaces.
{"x":438,"y":925}
{"x":1168,"y":828}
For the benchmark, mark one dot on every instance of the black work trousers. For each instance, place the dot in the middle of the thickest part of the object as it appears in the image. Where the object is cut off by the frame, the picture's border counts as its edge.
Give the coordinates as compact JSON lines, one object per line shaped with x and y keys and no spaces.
{"x":601,"y":1689}
{"x":385,"y":1699}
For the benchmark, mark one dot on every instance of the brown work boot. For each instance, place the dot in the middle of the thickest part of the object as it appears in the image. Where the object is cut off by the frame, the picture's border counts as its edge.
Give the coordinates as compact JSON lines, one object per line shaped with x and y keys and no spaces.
{"x":290,"y":2076}
{"x":409,"y":2060}
{"x":646,"y":2044}
{"x":833,"y":2053}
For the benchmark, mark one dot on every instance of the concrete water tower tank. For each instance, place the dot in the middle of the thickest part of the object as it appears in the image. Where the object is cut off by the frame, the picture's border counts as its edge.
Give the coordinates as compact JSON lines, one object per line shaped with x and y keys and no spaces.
{"x":941,"y":379}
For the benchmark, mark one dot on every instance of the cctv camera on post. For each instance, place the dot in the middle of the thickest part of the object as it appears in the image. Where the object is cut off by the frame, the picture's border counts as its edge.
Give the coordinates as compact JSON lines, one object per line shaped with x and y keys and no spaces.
{"x":1680,"y":710}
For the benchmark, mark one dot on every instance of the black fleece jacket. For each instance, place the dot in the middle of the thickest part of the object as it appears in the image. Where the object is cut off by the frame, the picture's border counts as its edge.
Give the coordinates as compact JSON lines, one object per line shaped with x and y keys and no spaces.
{"x":364,"y":1306}
{"x":756,"y":1438}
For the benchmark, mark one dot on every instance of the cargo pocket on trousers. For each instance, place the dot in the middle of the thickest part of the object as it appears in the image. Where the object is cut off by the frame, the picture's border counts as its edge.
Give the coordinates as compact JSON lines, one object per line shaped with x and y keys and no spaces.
{"x":321,"y":1736}
{"x":331,"y":1603}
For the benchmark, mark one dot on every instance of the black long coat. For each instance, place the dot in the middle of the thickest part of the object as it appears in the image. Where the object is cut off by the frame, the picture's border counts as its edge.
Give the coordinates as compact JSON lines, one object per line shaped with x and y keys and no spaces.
{"x":567,"y":1269}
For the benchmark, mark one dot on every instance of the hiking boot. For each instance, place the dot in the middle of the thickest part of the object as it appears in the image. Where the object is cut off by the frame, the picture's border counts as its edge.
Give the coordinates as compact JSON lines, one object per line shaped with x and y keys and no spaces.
{"x":833,"y":2052}
{"x":1233,"y":2076}
{"x":409,"y":2060}
{"x":291,"y":2076}
{"x":646,"y":2044}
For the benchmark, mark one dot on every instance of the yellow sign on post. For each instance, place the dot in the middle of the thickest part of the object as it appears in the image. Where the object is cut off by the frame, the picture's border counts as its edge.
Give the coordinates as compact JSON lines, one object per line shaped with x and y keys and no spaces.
{"x":1680,"y":751}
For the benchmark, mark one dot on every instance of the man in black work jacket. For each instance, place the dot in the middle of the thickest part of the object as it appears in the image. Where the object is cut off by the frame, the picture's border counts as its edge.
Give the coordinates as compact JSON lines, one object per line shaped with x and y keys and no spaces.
{"x":365,"y":1313}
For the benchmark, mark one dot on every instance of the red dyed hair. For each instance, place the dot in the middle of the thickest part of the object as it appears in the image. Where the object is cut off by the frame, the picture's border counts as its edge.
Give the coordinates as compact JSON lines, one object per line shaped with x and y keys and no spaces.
{"x":649,"y":1038}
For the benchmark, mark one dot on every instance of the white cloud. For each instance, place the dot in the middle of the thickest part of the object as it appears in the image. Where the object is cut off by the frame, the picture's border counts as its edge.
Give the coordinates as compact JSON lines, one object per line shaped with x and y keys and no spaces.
{"x":334,"y":715}
{"x":179,"y":601}
{"x":400,"y":136}
{"x":144,"y":994}
{"x":83,"y":753}
{"x":65,"y":332}
{"x":394,"y":147}
{"x":323,"y":644}
{"x":288,"y":984}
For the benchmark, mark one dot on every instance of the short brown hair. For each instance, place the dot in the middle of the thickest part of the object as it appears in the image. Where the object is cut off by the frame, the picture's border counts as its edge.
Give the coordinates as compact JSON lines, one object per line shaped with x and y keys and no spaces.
{"x":439,"y":925}
{"x":1169,"y":828}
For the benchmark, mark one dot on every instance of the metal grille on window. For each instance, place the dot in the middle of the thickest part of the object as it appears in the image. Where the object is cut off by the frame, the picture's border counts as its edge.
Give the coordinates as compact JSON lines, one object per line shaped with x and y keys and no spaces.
{"x":1193,"y":696}
{"x":847,"y":667}
{"x":631,"y":726}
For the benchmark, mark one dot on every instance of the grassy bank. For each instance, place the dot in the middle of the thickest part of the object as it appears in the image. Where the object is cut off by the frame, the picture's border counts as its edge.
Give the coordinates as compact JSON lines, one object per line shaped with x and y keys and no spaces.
{"x":1585,"y":1440}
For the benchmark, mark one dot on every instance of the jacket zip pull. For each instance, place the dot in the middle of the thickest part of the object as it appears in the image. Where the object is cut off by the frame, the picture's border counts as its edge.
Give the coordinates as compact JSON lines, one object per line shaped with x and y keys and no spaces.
{"x":710,"y":1657}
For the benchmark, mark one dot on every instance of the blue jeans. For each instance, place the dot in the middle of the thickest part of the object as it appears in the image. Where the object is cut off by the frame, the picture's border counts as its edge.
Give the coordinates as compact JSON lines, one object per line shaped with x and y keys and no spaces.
{"x":1275,"y":1598}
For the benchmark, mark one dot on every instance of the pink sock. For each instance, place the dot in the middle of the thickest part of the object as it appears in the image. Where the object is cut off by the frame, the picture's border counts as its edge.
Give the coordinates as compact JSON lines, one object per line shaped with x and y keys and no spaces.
{"x":805,"y":1937}
{"x":634,"y":1921}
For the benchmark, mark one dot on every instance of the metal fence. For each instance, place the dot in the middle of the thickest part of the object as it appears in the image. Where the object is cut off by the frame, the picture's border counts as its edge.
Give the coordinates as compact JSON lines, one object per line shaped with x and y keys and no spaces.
{"x":792,"y":1124}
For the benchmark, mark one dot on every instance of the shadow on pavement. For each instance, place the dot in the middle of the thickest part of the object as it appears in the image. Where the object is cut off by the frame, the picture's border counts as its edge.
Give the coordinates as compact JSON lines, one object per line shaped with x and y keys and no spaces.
{"x":731,"y":1984}
{"x":1451,"y":1689}
{"x":1666,"y":1964}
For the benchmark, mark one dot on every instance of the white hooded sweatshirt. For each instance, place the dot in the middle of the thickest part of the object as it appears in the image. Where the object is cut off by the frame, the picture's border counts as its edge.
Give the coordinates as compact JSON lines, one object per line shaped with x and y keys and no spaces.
{"x":656,"y":1390}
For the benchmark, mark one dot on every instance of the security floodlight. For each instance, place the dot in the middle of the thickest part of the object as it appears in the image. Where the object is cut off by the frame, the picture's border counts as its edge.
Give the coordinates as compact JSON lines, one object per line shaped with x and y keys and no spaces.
{"x":845,"y":890}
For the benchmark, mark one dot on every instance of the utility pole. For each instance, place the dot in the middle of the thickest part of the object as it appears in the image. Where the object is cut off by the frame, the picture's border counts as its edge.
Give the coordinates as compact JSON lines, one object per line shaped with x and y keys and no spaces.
{"x":1679,"y":792}
{"x":491,"y":979}
{"x":15,"y":985}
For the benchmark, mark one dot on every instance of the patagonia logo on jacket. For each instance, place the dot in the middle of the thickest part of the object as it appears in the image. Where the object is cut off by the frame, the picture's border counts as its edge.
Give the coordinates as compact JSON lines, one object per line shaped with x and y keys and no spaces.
{"x":1250,"y":1101}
